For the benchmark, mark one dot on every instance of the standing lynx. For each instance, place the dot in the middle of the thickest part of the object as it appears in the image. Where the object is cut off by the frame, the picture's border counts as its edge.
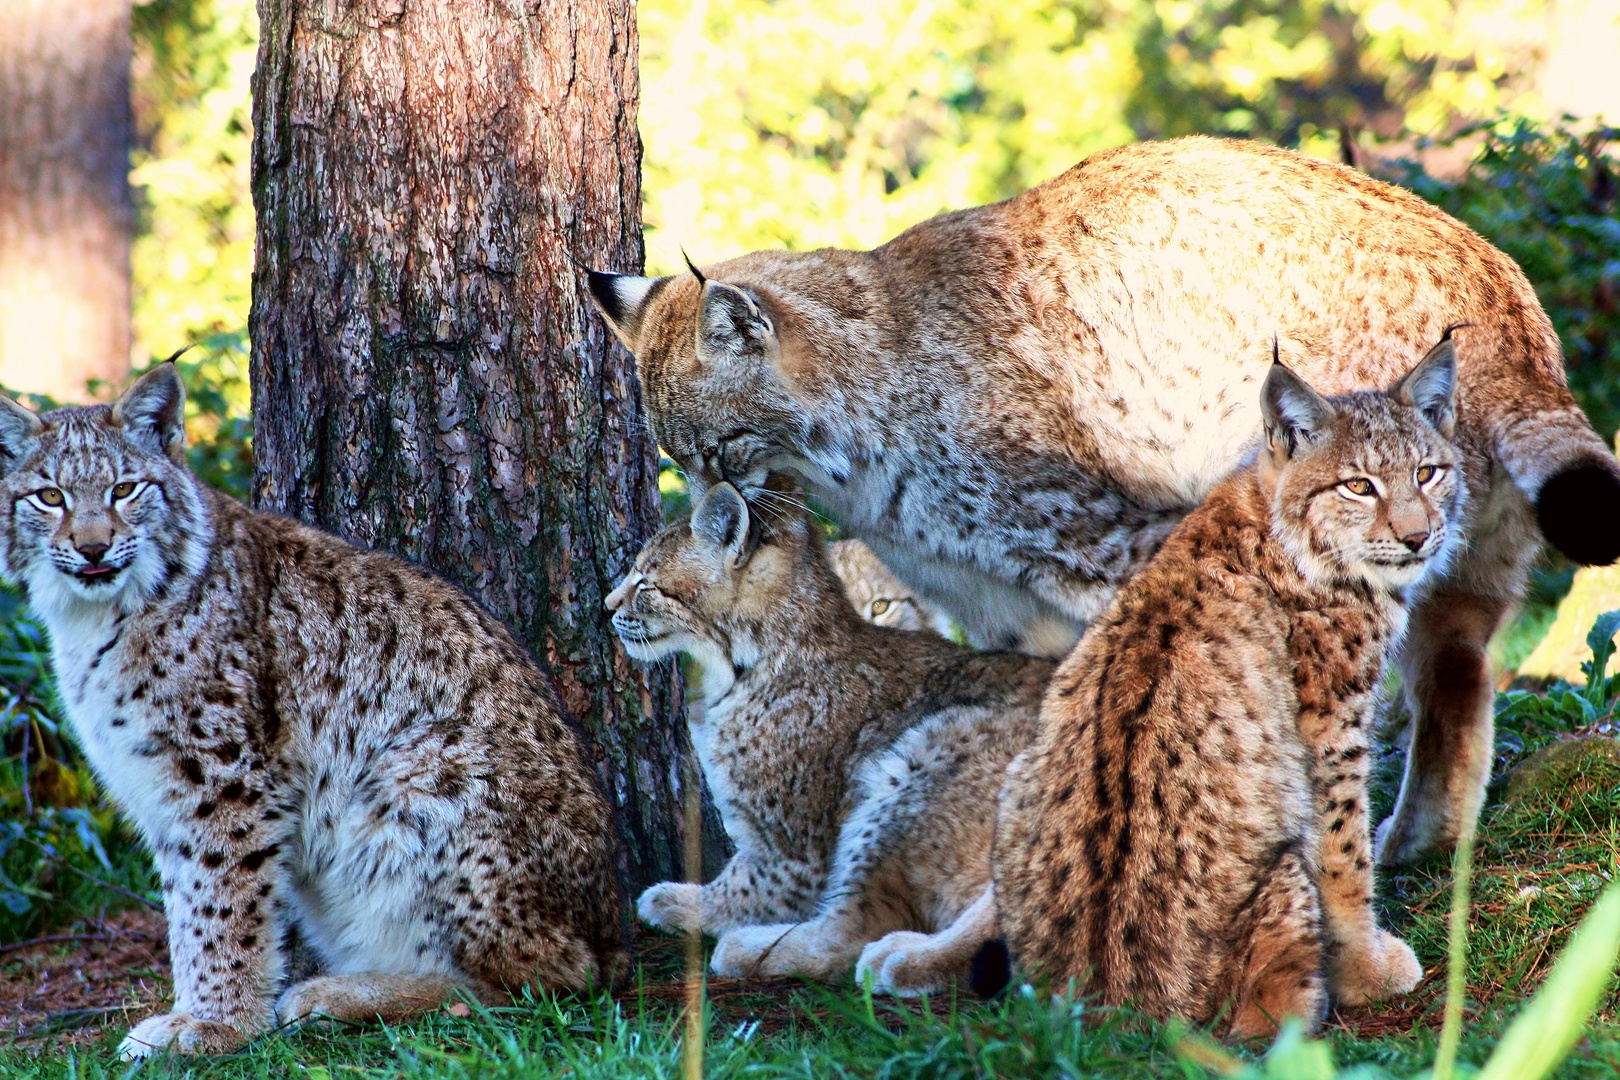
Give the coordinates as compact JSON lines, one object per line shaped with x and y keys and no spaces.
{"x":1189,"y":832}
{"x":1014,"y":404}
{"x":856,"y":766}
{"x":316,"y":742}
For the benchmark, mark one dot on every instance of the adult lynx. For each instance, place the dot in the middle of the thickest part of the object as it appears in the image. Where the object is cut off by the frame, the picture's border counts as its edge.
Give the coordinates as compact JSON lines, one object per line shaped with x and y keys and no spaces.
{"x":315,"y":741}
{"x":1013,"y":405}
{"x":1189,"y":831}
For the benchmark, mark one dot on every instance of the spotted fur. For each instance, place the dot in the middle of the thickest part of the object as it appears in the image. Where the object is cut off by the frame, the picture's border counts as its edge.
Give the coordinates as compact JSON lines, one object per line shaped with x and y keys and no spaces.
{"x":316,"y":742}
{"x":1013,"y":405}
{"x":1189,"y":832}
{"x":856,"y":766}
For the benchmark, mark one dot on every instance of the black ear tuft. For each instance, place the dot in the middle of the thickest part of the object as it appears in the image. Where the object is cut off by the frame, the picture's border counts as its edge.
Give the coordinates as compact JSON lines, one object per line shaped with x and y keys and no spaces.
{"x":991,"y":970}
{"x":1578,"y":510}
{"x":153,"y":412}
{"x":19,"y":427}
{"x":692,"y":266}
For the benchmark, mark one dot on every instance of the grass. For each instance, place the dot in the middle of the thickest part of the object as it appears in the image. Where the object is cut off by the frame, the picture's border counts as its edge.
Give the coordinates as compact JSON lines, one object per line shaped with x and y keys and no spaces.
{"x":1544,"y":852}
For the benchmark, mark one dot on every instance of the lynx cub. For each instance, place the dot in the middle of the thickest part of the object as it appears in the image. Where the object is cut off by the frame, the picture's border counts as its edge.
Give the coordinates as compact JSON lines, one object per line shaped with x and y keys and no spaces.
{"x":1189,"y":832}
{"x":856,"y":766}
{"x":314,"y":740}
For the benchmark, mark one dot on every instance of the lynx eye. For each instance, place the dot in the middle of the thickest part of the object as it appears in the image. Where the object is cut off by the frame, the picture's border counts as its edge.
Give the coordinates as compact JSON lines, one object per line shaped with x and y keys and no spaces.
{"x":1425,"y":474}
{"x":879,"y":607}
{"x":123,"y":489}
{"x":1359,"y":485}
{"x":51,"y":496}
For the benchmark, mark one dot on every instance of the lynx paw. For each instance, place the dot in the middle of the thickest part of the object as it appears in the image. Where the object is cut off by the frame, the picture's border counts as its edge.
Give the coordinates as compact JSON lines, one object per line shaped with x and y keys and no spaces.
{"x":1385,"y":970}
{"x":775,"y":951}
{"x":181,"y":1032}
{"x":671,"y":905}
{"x":903,"y":963}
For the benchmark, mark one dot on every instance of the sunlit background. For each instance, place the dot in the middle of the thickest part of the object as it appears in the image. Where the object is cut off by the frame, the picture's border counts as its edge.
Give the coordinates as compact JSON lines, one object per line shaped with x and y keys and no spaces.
{"x":800,"y":123}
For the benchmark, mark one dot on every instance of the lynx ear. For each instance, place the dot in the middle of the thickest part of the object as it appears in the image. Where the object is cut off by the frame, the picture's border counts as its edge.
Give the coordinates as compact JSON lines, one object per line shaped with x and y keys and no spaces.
{"x":722,"y":520}
{"x":623,"y":300}
{"x":732,"y":324}
{"x":153,"y":412}
{"x":1294,"y":413}
{"x":19,"y":428}
{"x":1431,"y":387}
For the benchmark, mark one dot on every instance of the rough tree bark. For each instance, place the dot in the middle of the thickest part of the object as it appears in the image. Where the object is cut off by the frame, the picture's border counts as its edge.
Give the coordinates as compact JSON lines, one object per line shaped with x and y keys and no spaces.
{"x":64,"y":194}
{"x":428,"y":376}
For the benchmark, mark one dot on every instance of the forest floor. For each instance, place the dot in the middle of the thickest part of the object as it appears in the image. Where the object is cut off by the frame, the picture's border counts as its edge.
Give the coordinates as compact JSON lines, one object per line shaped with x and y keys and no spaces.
{"x":1549,"y":840}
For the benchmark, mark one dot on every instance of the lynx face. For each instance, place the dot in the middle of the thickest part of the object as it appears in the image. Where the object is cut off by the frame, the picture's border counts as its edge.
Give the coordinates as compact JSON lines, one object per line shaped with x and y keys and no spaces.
{"x":98,"y":509}
{"x":1367,"y":484}
{"x":701,"y":584}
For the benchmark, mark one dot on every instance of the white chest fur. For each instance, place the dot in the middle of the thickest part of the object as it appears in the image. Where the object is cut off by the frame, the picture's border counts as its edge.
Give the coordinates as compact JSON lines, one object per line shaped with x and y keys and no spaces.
{"x":118,"y":732}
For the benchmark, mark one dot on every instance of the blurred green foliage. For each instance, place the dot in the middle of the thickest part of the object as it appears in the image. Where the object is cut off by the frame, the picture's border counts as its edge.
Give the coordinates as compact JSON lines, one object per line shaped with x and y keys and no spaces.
{"x":192,"y":258}
{"x":1549,"y":195}
{"x":802,"y":123}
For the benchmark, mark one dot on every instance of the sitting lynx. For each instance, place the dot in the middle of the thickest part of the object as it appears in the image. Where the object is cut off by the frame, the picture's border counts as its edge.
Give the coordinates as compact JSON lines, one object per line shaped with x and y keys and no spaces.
{"x":1190,"y":830}
{"x":880,"y":597}
{"x":315,"y":741}
{"x":856,"y":766}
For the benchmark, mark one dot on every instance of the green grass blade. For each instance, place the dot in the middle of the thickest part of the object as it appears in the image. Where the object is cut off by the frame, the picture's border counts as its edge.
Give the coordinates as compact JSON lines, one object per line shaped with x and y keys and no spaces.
{"x":1555,"y":1017}
{"x":1445,"y":1059}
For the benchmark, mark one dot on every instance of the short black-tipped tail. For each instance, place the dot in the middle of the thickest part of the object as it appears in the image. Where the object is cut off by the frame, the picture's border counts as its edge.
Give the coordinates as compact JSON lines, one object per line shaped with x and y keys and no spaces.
{"x":991,"y":970}
{"x":1578,"y":509}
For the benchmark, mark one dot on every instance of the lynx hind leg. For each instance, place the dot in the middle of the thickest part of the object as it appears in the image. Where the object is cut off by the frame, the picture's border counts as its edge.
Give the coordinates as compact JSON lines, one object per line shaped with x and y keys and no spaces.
{"x":908,"y":964}
{"x":1281,"y":976}
{"x":1449,"y":686}
{"x":366,"y":996}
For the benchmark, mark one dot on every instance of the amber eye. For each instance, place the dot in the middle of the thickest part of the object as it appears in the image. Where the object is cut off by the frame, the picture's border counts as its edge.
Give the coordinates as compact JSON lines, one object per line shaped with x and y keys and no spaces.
{"x":123,"y":489}
{"x":879,"y":607}
{"x":51,"y":496}
{"x":1425,"y":474}
{"x":1359,"y":485}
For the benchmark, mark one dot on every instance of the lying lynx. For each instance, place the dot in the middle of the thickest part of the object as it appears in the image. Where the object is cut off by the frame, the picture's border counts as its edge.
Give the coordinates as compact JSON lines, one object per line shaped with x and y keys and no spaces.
{"x":315,"y":741}
{"x":1190,"y":831}
{"x":1013,"y":405}
{"x":856,"y":766}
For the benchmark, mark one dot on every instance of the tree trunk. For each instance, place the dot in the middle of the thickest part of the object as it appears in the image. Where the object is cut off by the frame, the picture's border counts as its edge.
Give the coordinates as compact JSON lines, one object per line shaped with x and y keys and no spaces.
{"x":428,"y":376}
{"x":64,"y":194}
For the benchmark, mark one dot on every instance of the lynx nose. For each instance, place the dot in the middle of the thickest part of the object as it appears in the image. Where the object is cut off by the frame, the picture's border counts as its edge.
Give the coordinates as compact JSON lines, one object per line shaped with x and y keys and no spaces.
{"x":1414,"y":541}
{"x":92,"y":552}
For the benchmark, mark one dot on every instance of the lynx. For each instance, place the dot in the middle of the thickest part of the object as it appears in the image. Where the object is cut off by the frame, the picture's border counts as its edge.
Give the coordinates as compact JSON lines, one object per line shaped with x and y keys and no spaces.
{"x":1189,"y":832}
{"x":877,"y":595}
{"x":1013,"y":405}
{"x":856,"y":766}
{"x":318,"y":743}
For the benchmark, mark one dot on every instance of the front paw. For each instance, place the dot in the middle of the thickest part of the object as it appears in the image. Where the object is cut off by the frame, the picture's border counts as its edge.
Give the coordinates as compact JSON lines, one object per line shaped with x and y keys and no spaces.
{"x":1386,"y":969}
{"x":777,"y":951}
{"x":671,"y":905}
{"x":181,"y":1032}
{"x":903,"y":963}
